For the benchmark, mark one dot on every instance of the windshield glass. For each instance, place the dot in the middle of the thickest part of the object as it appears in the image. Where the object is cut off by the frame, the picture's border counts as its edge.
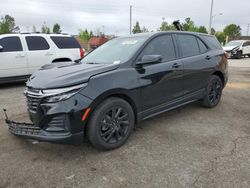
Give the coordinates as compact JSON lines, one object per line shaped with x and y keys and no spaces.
{"x":115,"y":51}
{"x":234,"y":43}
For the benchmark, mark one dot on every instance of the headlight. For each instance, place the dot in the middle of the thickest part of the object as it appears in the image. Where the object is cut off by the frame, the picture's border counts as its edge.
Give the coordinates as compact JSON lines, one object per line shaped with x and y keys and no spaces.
{"x":56,"y":95}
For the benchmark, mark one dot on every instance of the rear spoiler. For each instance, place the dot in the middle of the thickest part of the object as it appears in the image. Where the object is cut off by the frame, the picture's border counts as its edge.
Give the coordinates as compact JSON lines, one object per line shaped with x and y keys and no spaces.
{"x":177,"y":25}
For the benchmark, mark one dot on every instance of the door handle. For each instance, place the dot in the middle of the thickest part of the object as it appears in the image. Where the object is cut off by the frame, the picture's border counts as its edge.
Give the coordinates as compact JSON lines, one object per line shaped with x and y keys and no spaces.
{"x":207,"y":57}
{"x":176,"y":65}
{"x":20,"y":55}
{"x":47,"y":54}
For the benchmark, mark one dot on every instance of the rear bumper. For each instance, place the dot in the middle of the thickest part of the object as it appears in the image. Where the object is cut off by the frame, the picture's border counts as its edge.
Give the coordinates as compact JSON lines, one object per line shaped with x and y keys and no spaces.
{"x":30,"y":131}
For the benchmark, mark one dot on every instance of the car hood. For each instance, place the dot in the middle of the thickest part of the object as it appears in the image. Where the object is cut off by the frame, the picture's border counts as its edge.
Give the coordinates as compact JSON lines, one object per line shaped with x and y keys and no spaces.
{"x":229,"y":48}
{"x":65,"y":74}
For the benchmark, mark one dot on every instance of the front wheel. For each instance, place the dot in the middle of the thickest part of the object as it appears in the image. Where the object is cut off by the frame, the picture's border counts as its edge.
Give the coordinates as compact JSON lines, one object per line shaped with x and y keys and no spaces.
{"x":213,"y":92}
{"x":238,"y":55}
{"x":111,"y":124}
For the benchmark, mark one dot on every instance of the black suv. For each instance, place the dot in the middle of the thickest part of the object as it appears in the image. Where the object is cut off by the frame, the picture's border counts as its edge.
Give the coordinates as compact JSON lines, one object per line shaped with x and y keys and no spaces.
{"x":124,"y":81}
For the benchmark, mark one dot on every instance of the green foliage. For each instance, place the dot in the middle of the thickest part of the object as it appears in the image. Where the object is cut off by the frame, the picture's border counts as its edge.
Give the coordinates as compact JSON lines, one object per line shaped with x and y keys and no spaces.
{"x":137,"y":28}
{"x":221,"y":37}
{"x":201,"y":29}
{"x":84,"y":35}
{"x":232,"y":30}
{"x":7,"y":25}
{"x":188,"y":25}
{"x":45,"y":28}
{"x":57,"y":28}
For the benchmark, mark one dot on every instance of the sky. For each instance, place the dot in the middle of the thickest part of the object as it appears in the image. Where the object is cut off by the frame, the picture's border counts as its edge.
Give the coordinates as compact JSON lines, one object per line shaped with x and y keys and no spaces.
{"x":112,"y":17}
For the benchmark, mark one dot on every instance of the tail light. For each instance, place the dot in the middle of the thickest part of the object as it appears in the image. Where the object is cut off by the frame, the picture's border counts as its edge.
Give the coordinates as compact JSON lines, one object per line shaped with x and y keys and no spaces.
{"x":81,"y":52}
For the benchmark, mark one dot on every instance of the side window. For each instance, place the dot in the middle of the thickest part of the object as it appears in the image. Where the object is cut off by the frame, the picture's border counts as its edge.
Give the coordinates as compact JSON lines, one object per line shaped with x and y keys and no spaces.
{"x":36,"y":43}
{"x":246,"y":44}
{"x":162,"y":45}
{"x":11,"y":44}
{"x":65,"y":42}
{"x":189,"y":45}
{"x":203,"y":47}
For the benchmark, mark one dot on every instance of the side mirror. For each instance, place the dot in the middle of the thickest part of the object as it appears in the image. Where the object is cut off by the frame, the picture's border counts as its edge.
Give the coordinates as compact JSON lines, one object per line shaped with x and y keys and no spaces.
{"x":1,"y":48}
{"x":149,"y":59}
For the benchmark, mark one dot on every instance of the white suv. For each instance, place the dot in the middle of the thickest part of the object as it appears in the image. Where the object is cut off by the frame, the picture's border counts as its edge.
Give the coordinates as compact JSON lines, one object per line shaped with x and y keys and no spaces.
{"x":22,"y":54}
{"x":238,"y":48}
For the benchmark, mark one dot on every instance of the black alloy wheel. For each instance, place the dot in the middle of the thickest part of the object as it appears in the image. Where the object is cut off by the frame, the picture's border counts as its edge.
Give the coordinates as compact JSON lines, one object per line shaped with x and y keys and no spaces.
{"x":110,"y":124}
{"x":114,"y":124}
{"x":213,"y":92}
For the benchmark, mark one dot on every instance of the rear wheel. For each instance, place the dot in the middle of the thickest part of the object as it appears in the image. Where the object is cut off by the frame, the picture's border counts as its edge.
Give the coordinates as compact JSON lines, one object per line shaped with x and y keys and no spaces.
{"x":111,"y":124}
{"x":213,"y":92}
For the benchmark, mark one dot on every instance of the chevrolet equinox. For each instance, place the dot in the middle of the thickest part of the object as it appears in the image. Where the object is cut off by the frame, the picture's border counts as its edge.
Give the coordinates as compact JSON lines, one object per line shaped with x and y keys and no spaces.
{"x":124,"y":81}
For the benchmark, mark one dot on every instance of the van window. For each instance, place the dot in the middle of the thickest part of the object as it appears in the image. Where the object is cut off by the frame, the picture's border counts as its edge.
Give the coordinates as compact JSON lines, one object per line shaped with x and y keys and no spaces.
{"x":65,"y":42}
{"x":11,"y":44}
{"x":189,"y":45}
{"x":36,"y":43}
{"x":162,"y":45}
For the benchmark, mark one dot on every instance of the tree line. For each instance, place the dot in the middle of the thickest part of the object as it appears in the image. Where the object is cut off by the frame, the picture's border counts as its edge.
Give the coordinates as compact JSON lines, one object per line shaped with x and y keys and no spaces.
{"x":7,"y":25}
{"x":231,"y":30}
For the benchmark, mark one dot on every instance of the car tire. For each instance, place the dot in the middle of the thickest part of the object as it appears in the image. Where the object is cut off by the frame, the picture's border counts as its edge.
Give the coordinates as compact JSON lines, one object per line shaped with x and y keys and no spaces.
{"x":213,"y":92}
{"x":238,"y":55}
{"x":111,"y":124}
{"x":248,"y":55}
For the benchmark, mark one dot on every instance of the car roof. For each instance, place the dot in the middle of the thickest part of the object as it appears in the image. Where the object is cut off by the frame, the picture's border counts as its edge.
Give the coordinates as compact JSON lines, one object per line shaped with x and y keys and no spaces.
{"x":34,"y":34}
{"x":151,"y":34}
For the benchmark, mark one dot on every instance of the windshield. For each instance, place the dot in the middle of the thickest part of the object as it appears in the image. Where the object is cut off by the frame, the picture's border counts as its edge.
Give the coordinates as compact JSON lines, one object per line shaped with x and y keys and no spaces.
{"x":234,"y":43}
{"x":115,"y":51}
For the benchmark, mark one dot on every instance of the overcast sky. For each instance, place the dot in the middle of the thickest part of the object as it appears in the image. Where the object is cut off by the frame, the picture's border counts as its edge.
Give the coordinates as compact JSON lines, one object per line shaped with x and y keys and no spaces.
{"x":113,"y":16}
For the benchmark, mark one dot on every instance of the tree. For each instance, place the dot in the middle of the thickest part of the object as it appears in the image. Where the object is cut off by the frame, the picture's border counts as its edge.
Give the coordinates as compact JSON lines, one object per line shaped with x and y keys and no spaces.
{"x":144,"y":29}
{"x":232,"y":30}
{"x":188,"y":25}
{"x":221,"y":37}
{"x":201,"y":29}
{"x":7,"y":25}
{"x":45,"y":28}
{"x":213,"y":31}
{"x":137,"y":28}
{"x":57,"y":28}
{"x":84,"y":35}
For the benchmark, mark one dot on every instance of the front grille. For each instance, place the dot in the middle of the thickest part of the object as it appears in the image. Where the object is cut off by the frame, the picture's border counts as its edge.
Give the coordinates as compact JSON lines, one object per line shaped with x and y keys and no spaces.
{"x":33,"y":97}
{"x":32,"y":103}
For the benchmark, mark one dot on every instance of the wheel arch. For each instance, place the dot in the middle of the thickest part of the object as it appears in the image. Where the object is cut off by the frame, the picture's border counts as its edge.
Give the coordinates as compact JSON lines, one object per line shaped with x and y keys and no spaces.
{"x":63,"y":59}
{"x":119,"y":93}
{"x":221,"y":76}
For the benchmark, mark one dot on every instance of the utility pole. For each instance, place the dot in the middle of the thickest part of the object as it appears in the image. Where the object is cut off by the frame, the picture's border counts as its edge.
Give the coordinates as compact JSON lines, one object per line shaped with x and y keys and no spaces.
{"x":130,"y":20}
{"x":248,"y":25}
{"x":211,"y":17}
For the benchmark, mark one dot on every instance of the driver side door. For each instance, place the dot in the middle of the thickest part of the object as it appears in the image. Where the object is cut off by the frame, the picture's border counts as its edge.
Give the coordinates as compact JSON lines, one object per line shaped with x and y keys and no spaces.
{"x":161,"y":83}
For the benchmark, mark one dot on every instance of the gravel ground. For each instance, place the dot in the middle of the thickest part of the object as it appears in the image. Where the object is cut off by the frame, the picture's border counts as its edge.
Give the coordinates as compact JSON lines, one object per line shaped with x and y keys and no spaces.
{"x":188,"y":147}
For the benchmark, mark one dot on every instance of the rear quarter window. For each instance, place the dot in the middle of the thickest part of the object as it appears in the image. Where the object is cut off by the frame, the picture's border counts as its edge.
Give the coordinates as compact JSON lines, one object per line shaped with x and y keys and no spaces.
{"x":212,"y":42}
{"x":65,"y":42}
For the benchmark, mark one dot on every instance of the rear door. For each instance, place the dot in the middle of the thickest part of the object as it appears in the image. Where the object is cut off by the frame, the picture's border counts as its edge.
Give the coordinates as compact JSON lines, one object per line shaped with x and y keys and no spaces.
{"x":39,"y":52}
{"x":161,"y":82}
{"x":13,"y":60}
{"x":196,"y":61}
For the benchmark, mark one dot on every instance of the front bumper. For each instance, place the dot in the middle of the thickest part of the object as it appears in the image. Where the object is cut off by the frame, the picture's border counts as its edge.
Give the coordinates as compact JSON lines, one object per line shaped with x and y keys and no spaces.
{"x":59,"y":122}
{"x":30,"y":131}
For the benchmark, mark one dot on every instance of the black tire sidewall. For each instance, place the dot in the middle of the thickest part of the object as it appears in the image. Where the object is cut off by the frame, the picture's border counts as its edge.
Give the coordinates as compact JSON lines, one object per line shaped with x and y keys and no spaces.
{"x":93,"y":131}
{"x":206,"y":102}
